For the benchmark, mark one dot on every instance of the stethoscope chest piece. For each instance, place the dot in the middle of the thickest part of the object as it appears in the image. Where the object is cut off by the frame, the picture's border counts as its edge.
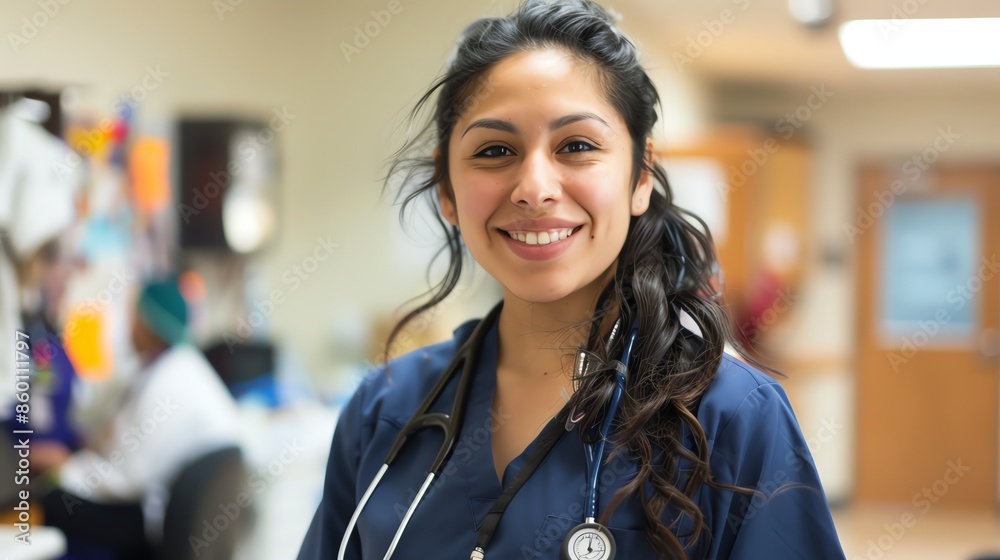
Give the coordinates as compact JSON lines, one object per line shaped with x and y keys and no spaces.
{"x":588,"y":541}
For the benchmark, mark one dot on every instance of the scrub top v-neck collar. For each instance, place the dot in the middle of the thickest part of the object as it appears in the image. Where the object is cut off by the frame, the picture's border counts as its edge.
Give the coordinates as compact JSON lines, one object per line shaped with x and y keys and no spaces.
{"x":480,"y":418}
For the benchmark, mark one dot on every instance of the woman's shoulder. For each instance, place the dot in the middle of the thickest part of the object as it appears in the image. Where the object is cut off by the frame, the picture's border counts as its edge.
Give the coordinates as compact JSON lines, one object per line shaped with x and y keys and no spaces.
{"x":743,"y":393}
{"x":397,"y":387}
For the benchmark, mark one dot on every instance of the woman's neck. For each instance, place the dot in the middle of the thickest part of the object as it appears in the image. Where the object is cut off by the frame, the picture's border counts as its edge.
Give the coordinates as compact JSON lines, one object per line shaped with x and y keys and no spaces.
{"x":537,"y":340}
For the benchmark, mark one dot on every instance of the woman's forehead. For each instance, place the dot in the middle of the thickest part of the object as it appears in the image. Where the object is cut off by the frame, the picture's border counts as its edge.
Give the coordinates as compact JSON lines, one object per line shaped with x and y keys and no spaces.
{"x":542,"y":84}
{"x":538,"y":64}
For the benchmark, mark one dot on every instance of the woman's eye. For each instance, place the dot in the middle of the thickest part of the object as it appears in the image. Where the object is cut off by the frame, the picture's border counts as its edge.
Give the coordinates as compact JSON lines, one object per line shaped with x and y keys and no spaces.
{"x":578,"y":146}
{"x":494,"y":151}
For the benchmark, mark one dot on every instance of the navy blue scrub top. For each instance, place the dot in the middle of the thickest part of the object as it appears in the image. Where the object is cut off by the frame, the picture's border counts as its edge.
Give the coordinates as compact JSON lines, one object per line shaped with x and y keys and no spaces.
{"x":753,"y":437}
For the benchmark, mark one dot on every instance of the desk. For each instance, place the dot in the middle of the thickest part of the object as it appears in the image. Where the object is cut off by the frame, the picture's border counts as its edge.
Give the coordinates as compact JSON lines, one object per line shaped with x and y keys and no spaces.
{"x":45,"y":543}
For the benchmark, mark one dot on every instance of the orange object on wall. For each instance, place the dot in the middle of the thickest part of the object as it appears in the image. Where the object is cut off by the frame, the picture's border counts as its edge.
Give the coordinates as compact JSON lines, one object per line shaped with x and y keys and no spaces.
{"x":149,"y":165}
{"x":84,"y":342}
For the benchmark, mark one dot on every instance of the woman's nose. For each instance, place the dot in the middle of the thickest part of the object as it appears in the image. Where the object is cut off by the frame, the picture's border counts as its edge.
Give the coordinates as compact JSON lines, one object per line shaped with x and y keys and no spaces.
{"x":537,"y":183}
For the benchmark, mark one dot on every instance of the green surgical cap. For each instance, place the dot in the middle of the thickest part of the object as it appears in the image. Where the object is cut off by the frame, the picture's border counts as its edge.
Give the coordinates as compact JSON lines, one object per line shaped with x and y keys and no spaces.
{"x":164,"y":311}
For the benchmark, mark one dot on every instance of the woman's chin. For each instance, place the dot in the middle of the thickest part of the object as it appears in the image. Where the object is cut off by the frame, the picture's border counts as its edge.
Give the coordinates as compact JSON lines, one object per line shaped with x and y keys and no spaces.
{"x":541,"y":294}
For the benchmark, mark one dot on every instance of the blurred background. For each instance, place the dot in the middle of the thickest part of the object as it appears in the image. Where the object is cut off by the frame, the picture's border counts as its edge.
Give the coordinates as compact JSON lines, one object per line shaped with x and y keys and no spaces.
{"x":849,"y":170}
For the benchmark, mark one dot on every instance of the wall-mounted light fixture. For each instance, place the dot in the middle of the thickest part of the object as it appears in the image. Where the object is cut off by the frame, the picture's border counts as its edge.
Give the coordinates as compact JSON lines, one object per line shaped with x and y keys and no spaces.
{"x":811,"y":13}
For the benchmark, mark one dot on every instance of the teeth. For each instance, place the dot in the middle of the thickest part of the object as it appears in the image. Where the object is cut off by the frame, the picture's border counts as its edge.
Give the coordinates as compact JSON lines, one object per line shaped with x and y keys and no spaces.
{"x":541,"y":237}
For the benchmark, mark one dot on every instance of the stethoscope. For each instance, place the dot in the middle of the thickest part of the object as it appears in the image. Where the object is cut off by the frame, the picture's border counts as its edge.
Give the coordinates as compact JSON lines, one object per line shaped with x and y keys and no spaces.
{"x":591,"y":540}
{"x":587,"y":541}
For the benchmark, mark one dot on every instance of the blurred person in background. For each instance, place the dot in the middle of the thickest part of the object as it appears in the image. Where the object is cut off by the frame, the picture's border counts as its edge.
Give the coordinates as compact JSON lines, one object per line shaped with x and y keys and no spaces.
{"x":110,"y":497}
{"x":38,"y":204}
{"x":38,"y":207}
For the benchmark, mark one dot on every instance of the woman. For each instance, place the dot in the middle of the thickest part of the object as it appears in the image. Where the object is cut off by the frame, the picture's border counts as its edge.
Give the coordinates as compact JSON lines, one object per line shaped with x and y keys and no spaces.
{"x":541,"y":165}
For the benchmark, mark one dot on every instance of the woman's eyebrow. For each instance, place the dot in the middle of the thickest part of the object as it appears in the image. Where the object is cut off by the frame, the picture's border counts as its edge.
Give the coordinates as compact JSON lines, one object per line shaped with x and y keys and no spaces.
{"x":504,"y":126}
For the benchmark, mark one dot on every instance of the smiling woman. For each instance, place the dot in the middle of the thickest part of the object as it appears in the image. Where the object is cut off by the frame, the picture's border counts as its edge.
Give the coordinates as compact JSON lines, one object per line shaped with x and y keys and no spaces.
{"x":539,"y":158}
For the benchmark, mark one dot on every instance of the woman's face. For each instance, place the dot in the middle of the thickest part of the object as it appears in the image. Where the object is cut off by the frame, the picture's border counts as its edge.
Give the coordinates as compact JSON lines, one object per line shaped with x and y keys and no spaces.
{"x":540,"y":167}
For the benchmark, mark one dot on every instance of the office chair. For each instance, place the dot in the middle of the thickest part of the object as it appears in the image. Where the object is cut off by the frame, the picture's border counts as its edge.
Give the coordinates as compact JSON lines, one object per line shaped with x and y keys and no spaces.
{"x":204,"y":519}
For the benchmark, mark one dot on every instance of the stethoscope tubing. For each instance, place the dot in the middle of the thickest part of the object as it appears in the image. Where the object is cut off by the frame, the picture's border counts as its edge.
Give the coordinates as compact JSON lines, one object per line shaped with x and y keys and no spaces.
{"x":594,"y":457}
{"x":450,"y":424}
{"x":468,"y":355}
{"x":357,"y":511}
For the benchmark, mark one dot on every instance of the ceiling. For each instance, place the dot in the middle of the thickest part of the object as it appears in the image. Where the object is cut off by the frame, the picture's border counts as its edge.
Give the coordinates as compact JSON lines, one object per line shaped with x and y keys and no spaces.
{"x":763,"y":44}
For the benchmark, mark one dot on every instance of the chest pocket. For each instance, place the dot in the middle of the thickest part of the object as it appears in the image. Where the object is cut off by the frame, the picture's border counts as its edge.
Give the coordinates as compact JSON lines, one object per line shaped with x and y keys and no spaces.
{"x":629,"y":543}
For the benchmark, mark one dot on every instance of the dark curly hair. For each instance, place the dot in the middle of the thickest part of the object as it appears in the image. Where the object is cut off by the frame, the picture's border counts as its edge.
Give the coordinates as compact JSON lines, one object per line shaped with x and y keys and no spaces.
{"x":666,"y":267}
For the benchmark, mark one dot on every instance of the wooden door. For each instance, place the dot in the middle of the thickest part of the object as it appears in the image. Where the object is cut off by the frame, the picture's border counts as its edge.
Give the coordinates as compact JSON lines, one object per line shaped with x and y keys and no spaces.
{"x":927,"y":310}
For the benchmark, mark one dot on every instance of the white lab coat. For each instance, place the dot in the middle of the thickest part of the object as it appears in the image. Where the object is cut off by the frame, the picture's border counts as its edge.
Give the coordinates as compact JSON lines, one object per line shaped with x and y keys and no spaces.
{"x":38,"y":187}
{"x":176,"y":410}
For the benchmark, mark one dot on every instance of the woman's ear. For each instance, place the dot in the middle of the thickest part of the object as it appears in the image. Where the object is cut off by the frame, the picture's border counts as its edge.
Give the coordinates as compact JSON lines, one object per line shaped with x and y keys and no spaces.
{"x":445,"y":196}
{"x":644,"y":188}
{"x":447,"y":204}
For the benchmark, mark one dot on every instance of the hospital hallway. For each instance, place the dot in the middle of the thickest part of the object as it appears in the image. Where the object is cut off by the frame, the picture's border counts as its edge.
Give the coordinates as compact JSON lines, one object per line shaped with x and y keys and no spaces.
{"x":878,"y":533}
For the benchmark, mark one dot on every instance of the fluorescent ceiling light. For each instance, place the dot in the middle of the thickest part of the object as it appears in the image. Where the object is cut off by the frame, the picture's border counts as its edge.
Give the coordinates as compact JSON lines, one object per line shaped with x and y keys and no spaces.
{"x":922,"y":43}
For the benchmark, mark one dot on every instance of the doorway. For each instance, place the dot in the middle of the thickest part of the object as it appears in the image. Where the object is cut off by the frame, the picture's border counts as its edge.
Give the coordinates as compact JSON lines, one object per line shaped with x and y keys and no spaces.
{"x":927,"y":324}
